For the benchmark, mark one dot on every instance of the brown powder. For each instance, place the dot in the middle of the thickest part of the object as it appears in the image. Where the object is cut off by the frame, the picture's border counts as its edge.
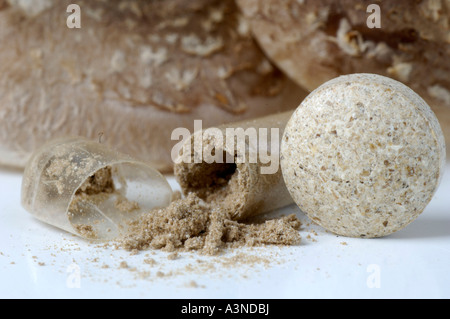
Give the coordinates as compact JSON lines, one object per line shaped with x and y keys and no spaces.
{"x":99,"y":187}
{"x":100,"y":182}
{"x":172,"y":256}
{"x":150,"y":261}
{"x":96,"y":189}
{"x":86,"y":231}
{"x":203,"y":221}
{"x":192,"y":284}
{"x":222,"y":185}
{"x":193,"y":224}
{"x":124,"y":205}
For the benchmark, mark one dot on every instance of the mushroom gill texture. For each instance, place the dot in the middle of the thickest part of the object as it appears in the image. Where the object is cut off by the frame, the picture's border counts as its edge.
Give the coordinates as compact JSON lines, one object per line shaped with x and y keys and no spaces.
{"x":133,"y":72}
{"x":314,"y":41}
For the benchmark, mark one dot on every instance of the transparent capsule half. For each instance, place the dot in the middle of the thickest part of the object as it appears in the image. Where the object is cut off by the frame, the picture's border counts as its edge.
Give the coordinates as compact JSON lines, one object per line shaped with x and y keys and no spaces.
{"x":89,"y":189}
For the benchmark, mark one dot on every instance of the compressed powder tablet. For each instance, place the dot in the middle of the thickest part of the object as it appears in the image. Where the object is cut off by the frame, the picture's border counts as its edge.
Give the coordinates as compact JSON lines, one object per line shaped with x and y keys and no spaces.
{"x":363,"y":155}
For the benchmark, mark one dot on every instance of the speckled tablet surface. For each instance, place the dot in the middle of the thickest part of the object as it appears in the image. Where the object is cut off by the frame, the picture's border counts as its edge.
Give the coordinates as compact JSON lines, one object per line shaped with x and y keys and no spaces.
{"x":363,"y":155}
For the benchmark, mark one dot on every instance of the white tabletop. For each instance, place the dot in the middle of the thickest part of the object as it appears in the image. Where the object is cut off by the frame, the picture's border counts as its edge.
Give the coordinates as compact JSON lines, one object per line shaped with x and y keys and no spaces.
{"x":40,"y":261}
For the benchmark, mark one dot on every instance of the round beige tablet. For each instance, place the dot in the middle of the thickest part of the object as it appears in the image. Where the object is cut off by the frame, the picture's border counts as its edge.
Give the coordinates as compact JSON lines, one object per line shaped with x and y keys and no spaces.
{"x":363,"y":155}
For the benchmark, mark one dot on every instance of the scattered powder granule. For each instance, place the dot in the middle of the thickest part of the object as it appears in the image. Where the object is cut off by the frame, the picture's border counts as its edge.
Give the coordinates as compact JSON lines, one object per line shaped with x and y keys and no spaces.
{"x":150,"y":261}
{"x":134,"y":252}
{"x":244,"y":258}
{"x":143,"y":274}
{"x":86,"y":231}
{"x":192,"y":284}
{"x":172,"y":256}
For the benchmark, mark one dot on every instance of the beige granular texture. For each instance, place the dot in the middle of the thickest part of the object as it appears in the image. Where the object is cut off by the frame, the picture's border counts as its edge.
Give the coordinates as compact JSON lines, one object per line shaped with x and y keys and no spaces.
{"x":98,"y":187}
{"x":100,"y":182}
{"x":61,"y":168}
{"x":95,"y":189}
{"x":363,"y":155}
{"x":125,"y":205}
{"x":193,"y":224}
{"x":86,"y":231}
{"x":230,"y":192}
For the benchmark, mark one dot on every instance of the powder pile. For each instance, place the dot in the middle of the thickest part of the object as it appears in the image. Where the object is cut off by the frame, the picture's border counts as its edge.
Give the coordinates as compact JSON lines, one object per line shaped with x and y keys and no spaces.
{"x":193,"y":224}
{"x":200,"y":222}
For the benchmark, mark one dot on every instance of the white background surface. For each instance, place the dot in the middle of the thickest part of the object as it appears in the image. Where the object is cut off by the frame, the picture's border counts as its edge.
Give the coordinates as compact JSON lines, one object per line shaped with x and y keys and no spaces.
{"x":39,"y":261}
